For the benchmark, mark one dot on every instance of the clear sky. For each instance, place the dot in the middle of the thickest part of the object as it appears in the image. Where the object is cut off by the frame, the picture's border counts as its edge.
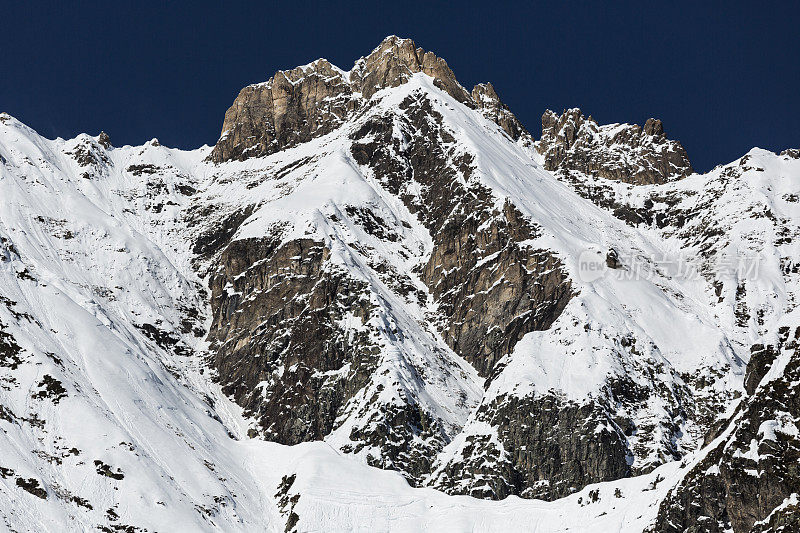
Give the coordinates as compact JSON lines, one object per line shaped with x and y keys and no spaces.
{"x":723,"y":77}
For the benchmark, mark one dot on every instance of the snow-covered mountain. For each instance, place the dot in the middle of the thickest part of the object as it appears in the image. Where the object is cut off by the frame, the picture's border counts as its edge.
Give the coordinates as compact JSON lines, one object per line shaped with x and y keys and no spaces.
{"x":377,"y":303}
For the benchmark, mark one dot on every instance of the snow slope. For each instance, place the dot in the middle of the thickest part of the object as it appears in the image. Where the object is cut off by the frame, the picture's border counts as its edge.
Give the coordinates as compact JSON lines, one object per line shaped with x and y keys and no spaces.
{"x":147,"y":414}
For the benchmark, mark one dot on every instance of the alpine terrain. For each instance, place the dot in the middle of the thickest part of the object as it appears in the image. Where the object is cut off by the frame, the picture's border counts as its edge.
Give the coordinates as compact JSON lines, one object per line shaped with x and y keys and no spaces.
{"x":378,"y":303}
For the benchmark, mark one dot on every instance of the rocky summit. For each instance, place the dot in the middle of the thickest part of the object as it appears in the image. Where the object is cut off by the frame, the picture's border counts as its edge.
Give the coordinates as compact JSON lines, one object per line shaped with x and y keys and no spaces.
{"x":295,"y":106}
{"x":378,"y":302}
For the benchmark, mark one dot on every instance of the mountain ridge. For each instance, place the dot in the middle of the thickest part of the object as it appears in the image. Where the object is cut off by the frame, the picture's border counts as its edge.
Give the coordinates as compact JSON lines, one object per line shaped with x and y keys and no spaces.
{"x":297,"y":105}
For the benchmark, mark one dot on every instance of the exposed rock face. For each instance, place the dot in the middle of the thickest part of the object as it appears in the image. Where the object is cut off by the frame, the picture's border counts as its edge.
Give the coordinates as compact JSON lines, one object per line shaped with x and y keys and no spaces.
{"x":545,"y":446}
{"x":407,"y":437}
{"x":749,"y":474}
{"x":487,"y":100}
{"x":104,"y":140}
{"x":761,"y":359}
{"x":491,"y":289}
{"x":541,"y":449}
{"x":280,"y":350}
{"x":297,"y":105}
{"x":302,"y":345}
{"x":277,"y":306}
{"x":294,"y":106}
{"x":622,"y":152}
{"x":277,"y":347}
{"x":784,"y":518}
{"x":394,"y":61}
{"x":91,"y":156}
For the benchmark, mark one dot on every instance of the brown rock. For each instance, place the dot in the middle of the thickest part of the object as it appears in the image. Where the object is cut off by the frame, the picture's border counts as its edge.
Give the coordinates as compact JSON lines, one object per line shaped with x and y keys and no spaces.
{"x":295,"y":106}
{"x":653,"y":126}
{"x":487,"y":100}
{"x":393,"y":63}
{"x":104,"y":140}
{"x":624,"y":152}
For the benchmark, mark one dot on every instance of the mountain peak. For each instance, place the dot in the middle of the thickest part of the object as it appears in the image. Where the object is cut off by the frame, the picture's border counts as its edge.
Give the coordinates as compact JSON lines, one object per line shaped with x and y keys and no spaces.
{"x":408,"y":290}
{"x":104,"y":140}
{"x":395,"y":60}
{"x":297,"y":105}
{"x":653,"y":126}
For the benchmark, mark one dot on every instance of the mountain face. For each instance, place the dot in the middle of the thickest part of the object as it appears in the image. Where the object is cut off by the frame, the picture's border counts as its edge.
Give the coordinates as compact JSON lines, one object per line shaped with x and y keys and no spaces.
{"x":378,"y":280}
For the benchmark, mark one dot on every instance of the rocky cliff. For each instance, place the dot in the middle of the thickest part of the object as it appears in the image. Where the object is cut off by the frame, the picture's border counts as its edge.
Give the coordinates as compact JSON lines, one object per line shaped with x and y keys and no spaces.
{"x":749,"y":477}
{"x":483,"y":286}
{"x":297,"y":105}
{"x":623,"y":152}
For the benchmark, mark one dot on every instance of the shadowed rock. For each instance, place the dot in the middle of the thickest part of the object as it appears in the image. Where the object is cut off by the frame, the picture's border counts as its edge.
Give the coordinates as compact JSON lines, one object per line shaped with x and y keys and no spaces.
{"x":743,"y":480}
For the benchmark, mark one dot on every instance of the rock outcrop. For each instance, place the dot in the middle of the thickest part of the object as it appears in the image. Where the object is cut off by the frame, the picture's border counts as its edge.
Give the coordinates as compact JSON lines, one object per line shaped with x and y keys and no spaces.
{"x":487,"y":100}
{"x":394,"y":61}
{"x":275,"y":340}
{"x":293,"y":107}
{"x":622,"y":152}
{"x":540,"y":449}
{"x":297,"y":105}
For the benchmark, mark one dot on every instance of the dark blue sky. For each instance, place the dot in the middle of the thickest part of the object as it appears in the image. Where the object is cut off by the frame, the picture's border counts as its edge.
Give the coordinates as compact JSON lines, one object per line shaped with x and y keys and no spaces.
{"x":722,"y":77}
